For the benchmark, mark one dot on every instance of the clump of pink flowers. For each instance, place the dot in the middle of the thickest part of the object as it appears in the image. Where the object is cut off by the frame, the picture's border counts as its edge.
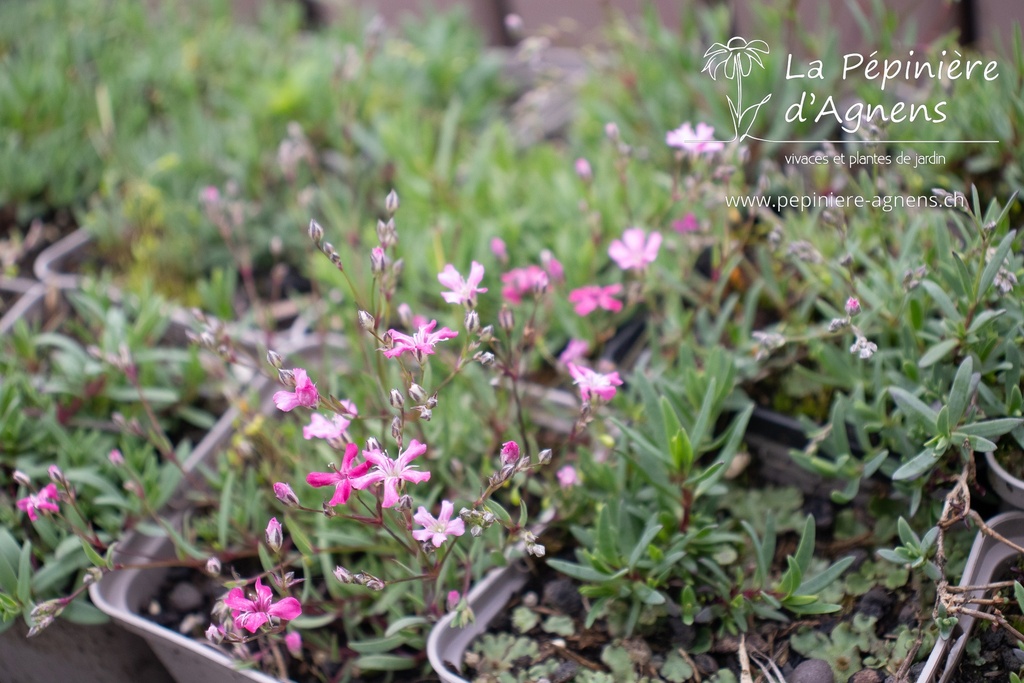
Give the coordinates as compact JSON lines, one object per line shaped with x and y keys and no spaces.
{"x":697,"y":142}
{"x":36,"y":503}
{"x":589,"y":298}
{"x":252,"y":613}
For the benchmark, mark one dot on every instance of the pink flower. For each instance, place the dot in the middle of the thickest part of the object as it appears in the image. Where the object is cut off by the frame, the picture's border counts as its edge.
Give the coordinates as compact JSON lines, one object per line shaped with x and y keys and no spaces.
{"x":209,"y":195}
{"x":553,"y":266}
{"x":33,"y":503}
{"x":421,"y":343}
{"x":590,"y":298}
{"x":453,"y":599}
{"x":687,"y":223}
{"x":594,"y":383}
{"x":305,"y":393}
{"x":341,"y":478}
{"x":251,"y":614}
{"x":320,"y":427}
{"x":499,"y":249}
{"x":522,"y":281}
{"x":567,"y":477}
{"x":696,"y":142}
{"x":392,"y":472}
{"x":116,"y":458}
{"x":293,"y":641}
{"x":636,"y":250}
{"x":583,"y":170}
{"x":574,"y":350}
{"x":438,"y":530}
{"x":509,"y":452}
{"x":463,"y":291}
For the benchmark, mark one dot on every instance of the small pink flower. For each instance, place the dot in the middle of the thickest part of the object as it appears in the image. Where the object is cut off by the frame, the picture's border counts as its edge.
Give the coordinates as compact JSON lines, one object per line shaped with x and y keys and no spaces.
{"x":583,"y":170}
{"x":453,"y":600}
{"x":686,"y":224}
{"x":636,"y":250}
{"x":305,"y":393}
{"x":209,"y":195}
{"x":334,"y":429}
{"x":591,"y":297}
{"x":594,"y":383}
{"x":116,"y":458}
{"x":509,"y":452}
{"x":520,"y":282}
{"x":251,"y":614}
{"x":463,"y":291}
{"x":392,"y":472}
{"x":499,"y":249}
{"x":33,"y":504}
{"x":341,"y":478}
{"x":567,"y":477}
{"x":274,"y":534}
{"x":293,"y":641}
{"x":421,"y":343}
{"x":574,"y":350}
{"x":553,"y":266}
{"x":695,"y":142}
{"x":852,"y":306}
{"x":438,"y":530}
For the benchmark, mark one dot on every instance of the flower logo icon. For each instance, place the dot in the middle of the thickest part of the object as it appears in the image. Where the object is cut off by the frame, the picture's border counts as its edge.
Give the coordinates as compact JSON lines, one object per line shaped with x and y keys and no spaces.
{"x":736,"y":60}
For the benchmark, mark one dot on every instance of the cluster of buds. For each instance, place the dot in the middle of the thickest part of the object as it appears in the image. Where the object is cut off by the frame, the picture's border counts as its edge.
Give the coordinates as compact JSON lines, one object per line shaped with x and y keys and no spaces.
{"x":852,"y":308}
{"x":361,"y":579}
{"x":912,"y":277}
{"x":44,"y":614}
{"x":213,"y":336}
{"x":863,"y":348}
{"x":477,"y":520}
{"x":803,"y":250}
{"x":316,"y":234}
{"x":387,"y":236}
{"x":532,"y":546}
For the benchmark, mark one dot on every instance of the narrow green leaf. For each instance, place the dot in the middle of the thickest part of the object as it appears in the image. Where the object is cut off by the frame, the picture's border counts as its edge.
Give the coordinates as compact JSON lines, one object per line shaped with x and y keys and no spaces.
{"x":958,"y":393}
{"x":988,"y":275}
{"x":941,"y":298}
{"x":914,"y":408}
{"x":805,"y":549}
{"x":937,"y":352}
{"x":916,"y":466}
{"x":645,"y":539}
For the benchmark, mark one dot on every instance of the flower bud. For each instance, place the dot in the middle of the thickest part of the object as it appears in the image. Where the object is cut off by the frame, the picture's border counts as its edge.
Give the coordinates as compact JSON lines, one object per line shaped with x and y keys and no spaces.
{"x":425,"y":413}
{"x":375,"y":584}
{"x":21,"y":478}
{"x":611,"y":131}
{"x":396,"y":428}
{"x":274,"y":358}
{"x":476,"y":531}
{"x":472,"y":322}
{"x":372,"y":444}
{"x":214,"y":635}
{"x":366,"y":320}
{"x":377,"y":261}
{"x":343,"y":575}
{"x":404,"y":502}
{"x":391,"y":203}
{"x":417,"y":393}
{"x":583,"y":170}
{"x":275,"y":536}
{"x":453,"y":599}
{"x":293,"y":641}
{"x":486,"y":334}
{"x":213,"y":567}
{"x":396,"y":399}
{"x":285,"y":494}
{"x":57,"y":476}
{"x":316,"y":233}
{"x":838,"y":324}
{"x":852,"y":306}
{"x":486,"y":358}
{"x":506,"y":319}
{"x":286,"y":377}
{"x":92,"y":575}
{"x":432,"y":401}
{"x":544,"y":457}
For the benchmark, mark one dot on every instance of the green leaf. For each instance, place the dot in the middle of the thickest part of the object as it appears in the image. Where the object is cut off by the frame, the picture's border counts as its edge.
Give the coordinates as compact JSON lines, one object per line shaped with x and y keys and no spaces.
{"x":299,"y":537}
{"x":805,"y":549}
{"x":916,"y":466}
{"x":820,"y":582}
{"x":94,"y":557}
{"x":943,"y":301}
{"x":984,"y":318}
{"x":25,"y":574}
{"x":378,"y":645}
{"x":225,"y":508}
{"x":914,"y":408}
{"x":1018,"y":593}
{"x":942,"y":421}
{"x":937,"y":352}
{"x":645,"y":539}
{"x":682,"y":452}
{"x":988,"y":275}
{"x":588,"y":574}
{"x":385,"y":663}
{"x":990,"y":428}
{"x":607,"y":548}
{"x":404,"y":623}
{"x":958,"y":393}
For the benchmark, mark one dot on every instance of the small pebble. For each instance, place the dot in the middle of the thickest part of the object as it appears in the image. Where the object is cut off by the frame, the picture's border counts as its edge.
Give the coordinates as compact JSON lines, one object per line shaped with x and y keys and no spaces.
{"x":563,"y":595}
{"x":185,"y":598}
{"x":813,"y":671}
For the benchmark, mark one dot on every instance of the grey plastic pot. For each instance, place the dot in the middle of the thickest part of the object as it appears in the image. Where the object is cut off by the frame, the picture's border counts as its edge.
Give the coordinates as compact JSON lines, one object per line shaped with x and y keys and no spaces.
{"x":14,"y":291}
{"x":447,"y":645}
{"x":1006,"y":486}
{"x":987,"y":560}
{"x":124,"y":594}
{"x":57,"y":265}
